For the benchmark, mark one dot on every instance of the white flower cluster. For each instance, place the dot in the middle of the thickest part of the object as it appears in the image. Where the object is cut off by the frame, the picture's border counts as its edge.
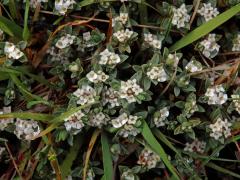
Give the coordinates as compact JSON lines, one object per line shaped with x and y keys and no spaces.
{"x":63,"y":5}
{"x":109,"y":58}
{"x":12,"y":51}
{"x":122,"y":35}
{"x":157,"y":73}
{"x":195,"y":146}
{"x":210,"y":46}
{"x":216,"y":95}
{"x":208,"y":12}
{"x":5,"y":122}
{"x":148,"y":158}
{"x":180,"y":16}
{"x":152,"y":40}
{"x":129,"y":90}
{"x":86,"y":95}
{"x":161,"y":118}
{"x":123,"y":17}
{"x":26,"y":129}
{"x":97,"y":77}
{"x":221,"y":128}
{"x":34,"y":3}
{"x":236,"y":43}
{"x":236,"y":101}
{"x":110,"y":96}
{"x":126,"y":123}
{"x":193,"y":66}
{"x":74,"y":121}
{"x":65,"y":41}
{"x":98,"y":120}
{"x":57,"y":54}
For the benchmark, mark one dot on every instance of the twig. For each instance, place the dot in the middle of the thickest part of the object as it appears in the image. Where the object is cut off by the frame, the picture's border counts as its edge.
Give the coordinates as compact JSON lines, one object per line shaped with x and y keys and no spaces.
{"x":194,"y":12}
{"x":13,"y":161}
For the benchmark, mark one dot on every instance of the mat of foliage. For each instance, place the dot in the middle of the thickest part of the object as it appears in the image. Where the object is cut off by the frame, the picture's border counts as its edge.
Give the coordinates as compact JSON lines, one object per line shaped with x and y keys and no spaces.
{"x":119,"y":89}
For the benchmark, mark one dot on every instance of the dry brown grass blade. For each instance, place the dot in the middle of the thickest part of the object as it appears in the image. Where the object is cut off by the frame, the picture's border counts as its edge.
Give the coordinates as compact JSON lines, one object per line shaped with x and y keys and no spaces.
{"x":89,"y":150}
{"x":13,"y":161}
{"x":229,"y":73}
{"x":53,"y":159}
{"x":110,"y":29}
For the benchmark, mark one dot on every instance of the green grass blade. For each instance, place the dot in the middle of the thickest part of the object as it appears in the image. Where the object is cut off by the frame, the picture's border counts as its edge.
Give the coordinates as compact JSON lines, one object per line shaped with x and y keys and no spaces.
{"x":107,"y":159}
{"x":27,"y":115}
{"x":222,"y":170}
{"x":156,"y":147}
{"x":26,"y":32}
{"x":205,"y":28}
{"x":10,"y":27}
{"x":12,"y":8}
{"x":71,"y":156}
{"x":29,"y":96}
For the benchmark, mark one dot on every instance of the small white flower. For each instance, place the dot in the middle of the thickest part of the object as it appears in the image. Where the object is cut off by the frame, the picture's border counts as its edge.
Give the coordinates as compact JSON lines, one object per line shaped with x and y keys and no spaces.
{"x":180,"y":16}
{"x":86,"y":36}
{"x":122,"y":18}
{"x":12,"y":51}
{"x":210,"y":46}
{"x":148,"y":158}
{"x":236,"y":102}
{"x":157,"y":73}
{"x":208,"y":12}
{"x":193,"y":66}
{"x":216,"y":95}
{"x":196,"y":145}
{"x":110,"y":58}
{"x":129,"y":90}
{"x":74,"y":122}
{"x":98,"y":120}
{"x":110,"y":96}
{"x":100,"y":76}
{"x":5,"y":122}
{"x":26,"y":129}
{"x":172,"y":60}
{"x":160,"y":118}
{"x":85,"y":95}
{"x":34,"y":3}
{"x":152,"y":40}
{"x":236,"y":43}
{"x":122,"y":35}
{"x":221,"y":128}
{"x":126,"y":123}
{"x":63,"y":5}
{"x":65,"y":41}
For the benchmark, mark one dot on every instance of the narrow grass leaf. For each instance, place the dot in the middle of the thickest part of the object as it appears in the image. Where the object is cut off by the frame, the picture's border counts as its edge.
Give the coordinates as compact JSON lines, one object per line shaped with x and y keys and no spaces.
{"x":26,"y":32}
{"x":107,"y":159}
{"x":89,"y":150}
{"x":27,"y":115}
{"x":205,"y":28}
{"x":12,"y":8}
{"x":153,"y":143}
{"x":71,"y":156}
{"x":29,"y":96}
{"x":222,"y":170}
{"x":10,"y":27}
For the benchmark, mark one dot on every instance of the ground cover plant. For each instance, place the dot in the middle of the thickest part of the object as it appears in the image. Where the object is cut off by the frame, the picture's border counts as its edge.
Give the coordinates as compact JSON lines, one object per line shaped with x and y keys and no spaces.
{"x":119,"y":89}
